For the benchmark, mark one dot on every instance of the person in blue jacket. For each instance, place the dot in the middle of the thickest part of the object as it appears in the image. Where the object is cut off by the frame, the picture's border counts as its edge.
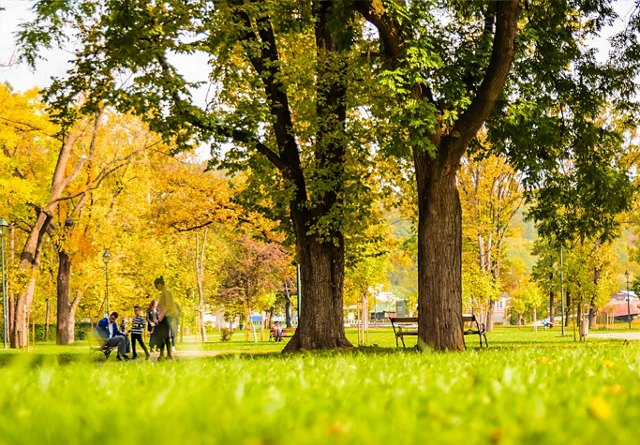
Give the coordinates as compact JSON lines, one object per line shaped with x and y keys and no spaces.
{"x":108,"y":331}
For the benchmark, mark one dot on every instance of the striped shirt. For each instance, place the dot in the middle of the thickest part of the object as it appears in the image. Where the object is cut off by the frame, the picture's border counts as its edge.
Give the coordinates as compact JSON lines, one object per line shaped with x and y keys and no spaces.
{"x":138,"y":324}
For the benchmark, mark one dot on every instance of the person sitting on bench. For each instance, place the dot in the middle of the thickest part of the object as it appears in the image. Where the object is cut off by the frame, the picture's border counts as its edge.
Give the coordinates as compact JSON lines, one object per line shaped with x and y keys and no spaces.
{"x":277,"y":332}
{"x":111,"y":336}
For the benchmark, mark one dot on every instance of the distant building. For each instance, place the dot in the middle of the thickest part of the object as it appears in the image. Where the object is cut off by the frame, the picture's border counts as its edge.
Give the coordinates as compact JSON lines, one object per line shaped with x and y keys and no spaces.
{"x":620,"y":309}
{"x":500,"y":309}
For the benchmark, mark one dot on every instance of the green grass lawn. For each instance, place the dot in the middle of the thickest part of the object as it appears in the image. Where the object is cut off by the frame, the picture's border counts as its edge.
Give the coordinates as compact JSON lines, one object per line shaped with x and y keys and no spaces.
{"x":526,"y":388}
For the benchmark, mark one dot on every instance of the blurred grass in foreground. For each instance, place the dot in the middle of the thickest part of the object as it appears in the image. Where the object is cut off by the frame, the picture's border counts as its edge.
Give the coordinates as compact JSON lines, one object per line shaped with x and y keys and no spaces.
{"x":527,"y":388}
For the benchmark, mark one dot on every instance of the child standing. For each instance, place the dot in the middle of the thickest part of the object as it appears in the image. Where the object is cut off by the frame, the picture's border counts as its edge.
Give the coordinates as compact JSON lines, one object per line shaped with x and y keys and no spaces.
{"x":137,"y":327}
{"x":152,"y":322}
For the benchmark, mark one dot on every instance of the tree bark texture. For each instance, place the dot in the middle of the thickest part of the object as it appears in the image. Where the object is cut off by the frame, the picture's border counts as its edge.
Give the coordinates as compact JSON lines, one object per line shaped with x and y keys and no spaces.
{"x":321,"y":324}
{"x":19,"y":337}
{"x":66,"y":309}
{"x":439,"y":256}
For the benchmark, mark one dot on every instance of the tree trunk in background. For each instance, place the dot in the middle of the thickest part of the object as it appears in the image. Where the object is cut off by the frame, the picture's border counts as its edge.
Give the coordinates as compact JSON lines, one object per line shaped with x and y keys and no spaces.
{"x":66,"y":313}
{"x":490,"y":318}
{"x":29,"y":264}
{"x":567,"y":308}
{"x":29,"y":259}
{"x":593,"y":313}
{"x":364,"y":317}
{"x":287,"y":304}
{"x":552,"y":306}
{"x":495,"y":274}
{"x":47,"y":320}
{"x":20,"y":328}
{"x":593,"y":310}
{"x":11,"y":315}
{"x":200,"y":249}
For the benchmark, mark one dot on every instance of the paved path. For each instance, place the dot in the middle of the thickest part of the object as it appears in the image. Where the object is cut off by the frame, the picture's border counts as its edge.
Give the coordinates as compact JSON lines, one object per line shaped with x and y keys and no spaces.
{"x":189,"y":354}
{"x":618,"y":335}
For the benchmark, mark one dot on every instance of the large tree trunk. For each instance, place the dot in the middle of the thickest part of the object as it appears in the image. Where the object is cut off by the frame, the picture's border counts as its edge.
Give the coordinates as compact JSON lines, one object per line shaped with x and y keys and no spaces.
{"x":439,"y":256}
{"x":321,"y":324}
{"x":321,"y":256}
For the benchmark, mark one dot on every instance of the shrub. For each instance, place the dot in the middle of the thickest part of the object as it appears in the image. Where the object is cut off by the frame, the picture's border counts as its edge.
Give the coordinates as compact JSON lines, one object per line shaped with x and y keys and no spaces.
{"x":225,"y":334}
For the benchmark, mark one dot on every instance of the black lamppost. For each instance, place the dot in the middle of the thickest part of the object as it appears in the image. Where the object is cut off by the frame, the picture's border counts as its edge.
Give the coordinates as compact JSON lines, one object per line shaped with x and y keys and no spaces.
{"x":628,"y":299}
{"x":106,"y":256}
{"x":3,"y":225}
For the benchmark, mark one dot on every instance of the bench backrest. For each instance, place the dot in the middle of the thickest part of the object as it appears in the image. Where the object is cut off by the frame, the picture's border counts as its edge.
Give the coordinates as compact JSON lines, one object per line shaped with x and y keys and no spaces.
{"x":394,"y":320}
{"x":466,"y":318}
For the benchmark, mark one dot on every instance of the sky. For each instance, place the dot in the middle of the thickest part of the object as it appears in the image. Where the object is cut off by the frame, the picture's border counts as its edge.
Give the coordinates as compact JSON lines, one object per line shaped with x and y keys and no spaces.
{"x":23,"y":78}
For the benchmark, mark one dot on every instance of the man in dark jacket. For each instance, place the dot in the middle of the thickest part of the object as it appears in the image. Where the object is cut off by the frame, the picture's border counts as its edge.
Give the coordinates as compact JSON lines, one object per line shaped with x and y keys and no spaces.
{"x":107,"y":330}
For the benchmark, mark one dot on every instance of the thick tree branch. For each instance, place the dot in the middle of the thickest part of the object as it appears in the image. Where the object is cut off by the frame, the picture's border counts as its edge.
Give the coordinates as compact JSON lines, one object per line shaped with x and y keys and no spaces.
{"x":266,"y":62}
{"x":375,"y":12}
{"x":467,"y":126}
{"x":104,"y":173}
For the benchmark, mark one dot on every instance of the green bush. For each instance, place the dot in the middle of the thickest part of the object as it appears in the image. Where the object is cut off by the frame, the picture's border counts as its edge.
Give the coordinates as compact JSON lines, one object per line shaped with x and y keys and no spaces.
{"x":81,"y":330}
{"x":225,"y":334}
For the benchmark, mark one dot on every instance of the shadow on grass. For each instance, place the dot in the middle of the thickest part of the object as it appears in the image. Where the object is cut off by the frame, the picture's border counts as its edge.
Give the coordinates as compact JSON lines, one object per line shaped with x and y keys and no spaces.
{"x":38,"y":359}
{"x":34,"y":360}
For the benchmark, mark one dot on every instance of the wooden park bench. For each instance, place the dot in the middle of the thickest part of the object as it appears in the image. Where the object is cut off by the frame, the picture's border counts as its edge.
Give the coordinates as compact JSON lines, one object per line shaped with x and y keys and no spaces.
{"x":475,"y":328}
{"x":404,"y":326}
{"x":101,"y":346}
{"x":104,"y":349}
{"x":286,"y":332}
{"x":409,"y":326}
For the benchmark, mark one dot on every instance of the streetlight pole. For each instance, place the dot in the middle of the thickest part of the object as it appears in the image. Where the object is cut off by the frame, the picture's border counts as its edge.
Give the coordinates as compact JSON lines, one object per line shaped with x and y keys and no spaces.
{"x":3,"y":224}
{"x":106,"y":256}
{"x":626,"y":273}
